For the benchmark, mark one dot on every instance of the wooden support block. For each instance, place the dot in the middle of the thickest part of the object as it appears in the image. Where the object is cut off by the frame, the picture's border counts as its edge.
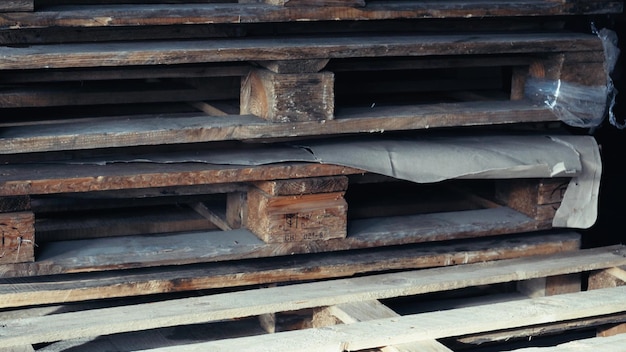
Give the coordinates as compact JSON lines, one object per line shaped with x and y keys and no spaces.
{"x":537,"y":198}
{"x":17,"y":237}
{"x":316,"y":3}
{"x":550,"y":286}
{"x":294,"y":97}
{"x":295,"y":211}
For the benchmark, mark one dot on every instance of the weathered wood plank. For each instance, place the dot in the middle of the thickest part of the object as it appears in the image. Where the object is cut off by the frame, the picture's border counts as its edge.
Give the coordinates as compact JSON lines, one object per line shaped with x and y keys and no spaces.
{"x":32,"y":291}
{"x":200,"y":128}
{"x":355,"y":312}
{"x":351,"y":336}
{"x":49,"y":178}
{"x":17,"y":5}
{"x":202,"y":247}
{"x":289,"y":48}
{"x":427,"y":326}
{"x":195,"y":13}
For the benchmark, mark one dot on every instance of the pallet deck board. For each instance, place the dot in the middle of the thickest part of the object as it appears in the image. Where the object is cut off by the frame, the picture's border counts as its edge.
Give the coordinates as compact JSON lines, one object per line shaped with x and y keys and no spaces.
{"x":194,"y":128}
{"x":210,"y":246}
{"x":428,"y":326}
{"x":300,"y":296}
{"x":289,"y":48}
{"x":103,"y":15}
{"x":27,"y":291}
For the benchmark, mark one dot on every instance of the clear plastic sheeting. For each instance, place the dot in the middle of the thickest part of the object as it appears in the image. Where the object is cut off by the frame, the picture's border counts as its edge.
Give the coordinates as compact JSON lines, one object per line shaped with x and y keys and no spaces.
{"x":579,"y":105}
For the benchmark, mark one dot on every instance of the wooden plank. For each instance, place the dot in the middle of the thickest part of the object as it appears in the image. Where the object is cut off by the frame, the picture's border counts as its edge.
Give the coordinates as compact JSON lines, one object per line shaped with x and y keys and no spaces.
{"x":91,"y":286}
{"x":49,"y":178}
{"x":201,"y":247}
{"x":536,"y":198}
{"x":17,"y":237}
{"x":195,"y":13}
{"x":294,"y":297}
{"x":17,"y":5}
{"x":355,"y":312}
{"x":428,"y":326}
{"x":289,"y":48}
{"x":170,"y":129}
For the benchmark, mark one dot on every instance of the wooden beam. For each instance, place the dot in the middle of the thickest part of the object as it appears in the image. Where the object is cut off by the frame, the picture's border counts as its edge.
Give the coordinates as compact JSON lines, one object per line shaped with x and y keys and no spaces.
{"x":92,"y":286}
{"x":182,"y":14}
{"x":17,"y":237}
{"x":194,"y":128}
{"x":263,"y":49}
{"x":391,"y":331}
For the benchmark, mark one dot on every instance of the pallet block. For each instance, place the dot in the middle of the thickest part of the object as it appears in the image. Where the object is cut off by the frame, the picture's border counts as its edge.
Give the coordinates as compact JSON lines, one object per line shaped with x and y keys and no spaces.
{"x":298,"y":210}
{"x":538,"y":199}
{"x":17,"y":237}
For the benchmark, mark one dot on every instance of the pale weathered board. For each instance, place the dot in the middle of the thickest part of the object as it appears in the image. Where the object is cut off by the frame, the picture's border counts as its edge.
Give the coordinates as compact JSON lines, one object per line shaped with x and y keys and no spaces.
{"x":193,"y":13}
{"x":30,"y":291}
{"x":428,"y":326}
{"x":387,"y":331}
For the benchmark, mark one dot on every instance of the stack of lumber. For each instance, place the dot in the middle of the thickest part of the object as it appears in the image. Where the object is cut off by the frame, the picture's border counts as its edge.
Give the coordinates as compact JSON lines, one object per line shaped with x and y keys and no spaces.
{"x":174,"y":168}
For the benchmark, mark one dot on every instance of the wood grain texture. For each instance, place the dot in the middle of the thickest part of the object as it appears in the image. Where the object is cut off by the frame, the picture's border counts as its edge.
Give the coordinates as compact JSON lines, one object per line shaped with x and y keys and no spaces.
{"x":289,"y":48}
{"x":202,"y":247}
{"x":26,"y":291}
{"x":17,"y":5}
{"x":395,"y":331}
{"x":195,"y":13}
{"x":194,"y":128}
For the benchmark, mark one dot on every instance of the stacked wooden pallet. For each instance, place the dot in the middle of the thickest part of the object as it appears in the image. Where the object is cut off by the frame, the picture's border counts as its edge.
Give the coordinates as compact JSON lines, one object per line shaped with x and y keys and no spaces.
{"x":176,"y":146}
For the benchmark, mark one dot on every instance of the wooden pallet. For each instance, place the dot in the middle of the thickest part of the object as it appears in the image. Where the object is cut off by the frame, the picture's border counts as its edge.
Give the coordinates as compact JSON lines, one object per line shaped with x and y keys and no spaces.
{"x":353,"y":301}
{"x":214,"y":90}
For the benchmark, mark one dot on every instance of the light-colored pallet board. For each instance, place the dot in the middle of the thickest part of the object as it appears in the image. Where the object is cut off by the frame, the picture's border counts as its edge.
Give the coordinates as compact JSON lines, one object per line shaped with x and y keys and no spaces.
{"x":354,"y":336}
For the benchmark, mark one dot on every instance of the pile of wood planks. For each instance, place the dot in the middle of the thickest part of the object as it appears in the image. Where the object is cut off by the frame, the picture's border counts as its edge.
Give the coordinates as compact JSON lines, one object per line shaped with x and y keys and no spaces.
{"x":162,"y":166}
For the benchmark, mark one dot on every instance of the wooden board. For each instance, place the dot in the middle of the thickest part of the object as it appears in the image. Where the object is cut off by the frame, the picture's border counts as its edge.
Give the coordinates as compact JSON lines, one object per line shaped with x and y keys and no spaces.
{"x":16,"y":292}
{"x":17,"y":5}
{"x":201,"y":247}
{"x":289,"y":48}
{"x":428,"y":326}
{"x":91,"y":15}
{"x":394,"y":331}
{"x":170,"y":129}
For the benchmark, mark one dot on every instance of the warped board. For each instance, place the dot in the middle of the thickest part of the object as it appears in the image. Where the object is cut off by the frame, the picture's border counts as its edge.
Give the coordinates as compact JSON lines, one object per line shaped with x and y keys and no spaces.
{"x":98,"y":15}
{"x":80,"y":287}
{"x":356,"y":336}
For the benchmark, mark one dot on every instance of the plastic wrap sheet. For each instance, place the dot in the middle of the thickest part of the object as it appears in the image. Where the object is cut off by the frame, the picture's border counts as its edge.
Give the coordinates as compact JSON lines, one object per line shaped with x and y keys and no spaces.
{"x":578,"y":105}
